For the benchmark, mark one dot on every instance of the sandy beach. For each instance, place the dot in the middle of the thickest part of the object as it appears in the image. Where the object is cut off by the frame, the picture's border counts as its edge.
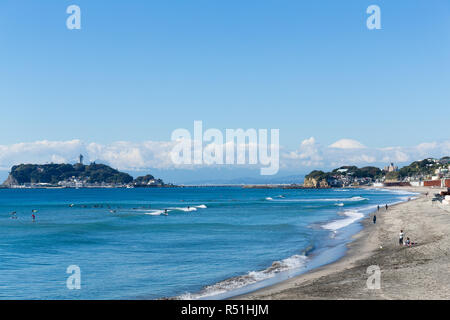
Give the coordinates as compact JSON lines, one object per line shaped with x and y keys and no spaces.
{"x":418,"y":272}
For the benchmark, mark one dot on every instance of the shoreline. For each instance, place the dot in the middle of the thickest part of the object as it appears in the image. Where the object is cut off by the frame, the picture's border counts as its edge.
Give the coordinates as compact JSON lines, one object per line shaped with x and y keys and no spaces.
{"x":404,"y":270}
{"x":319,"y":259}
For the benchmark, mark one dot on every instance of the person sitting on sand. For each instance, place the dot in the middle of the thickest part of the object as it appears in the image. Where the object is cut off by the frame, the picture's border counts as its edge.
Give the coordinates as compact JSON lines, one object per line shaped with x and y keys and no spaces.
{"x":409,"y":243}
{"x":400,"y":237}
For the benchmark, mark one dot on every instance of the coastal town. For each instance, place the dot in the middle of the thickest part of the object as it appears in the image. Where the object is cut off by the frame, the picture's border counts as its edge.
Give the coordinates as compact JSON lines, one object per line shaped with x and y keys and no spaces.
{"x":429,"y":172}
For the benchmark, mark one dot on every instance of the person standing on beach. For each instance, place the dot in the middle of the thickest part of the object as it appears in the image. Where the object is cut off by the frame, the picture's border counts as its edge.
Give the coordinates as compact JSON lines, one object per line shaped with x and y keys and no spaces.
{"x":374,"y":218}
{"x":378,"y":208}
{"x":386,"y":207}
{"x":400,"y":237}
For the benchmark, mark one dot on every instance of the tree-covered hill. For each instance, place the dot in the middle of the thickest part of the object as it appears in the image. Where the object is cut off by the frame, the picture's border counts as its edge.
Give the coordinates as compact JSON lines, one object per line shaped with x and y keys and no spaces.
{"x":54,"y":173}
{"x":420,"y":168}
{"x":147,"y":180}
{"x":341,"y":176}
{"x":365,"y":172}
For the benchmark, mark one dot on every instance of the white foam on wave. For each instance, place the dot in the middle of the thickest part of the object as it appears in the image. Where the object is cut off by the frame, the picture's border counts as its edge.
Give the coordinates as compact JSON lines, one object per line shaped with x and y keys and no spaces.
{"x":352,"y":216}
{"x":397,"y":191}
{"x":352,"y":199}
{"x":157,"y":212}
{"x":269,"y":198}
{"x":154,"y":212}
{"x":340,"y":204}
{"x":185,"y":209}
{"x":291,"y":263}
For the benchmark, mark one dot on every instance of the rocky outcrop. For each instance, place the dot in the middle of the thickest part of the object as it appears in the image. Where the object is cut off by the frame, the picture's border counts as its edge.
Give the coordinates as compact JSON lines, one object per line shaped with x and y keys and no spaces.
{"x":11,"y":181}
{"x":324,"y":184}
{"x":316,"y":183}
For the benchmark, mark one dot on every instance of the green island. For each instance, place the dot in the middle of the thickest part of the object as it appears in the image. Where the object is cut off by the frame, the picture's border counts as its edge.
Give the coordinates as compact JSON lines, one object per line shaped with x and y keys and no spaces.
{"x":75,"y":176}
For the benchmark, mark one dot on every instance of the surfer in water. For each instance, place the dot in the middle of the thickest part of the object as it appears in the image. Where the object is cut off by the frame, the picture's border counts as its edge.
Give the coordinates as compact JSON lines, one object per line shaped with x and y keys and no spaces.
{"x":32,"y":214}
{"x":165,"y":212}
{"x":13,"y":215}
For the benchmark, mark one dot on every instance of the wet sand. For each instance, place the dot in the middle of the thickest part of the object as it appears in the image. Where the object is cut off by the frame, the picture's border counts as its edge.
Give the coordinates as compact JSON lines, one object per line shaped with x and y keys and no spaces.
{"x":418,"y":272}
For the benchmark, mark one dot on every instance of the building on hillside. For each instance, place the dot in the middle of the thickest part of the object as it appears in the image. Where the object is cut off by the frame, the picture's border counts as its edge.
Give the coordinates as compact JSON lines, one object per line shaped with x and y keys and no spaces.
{"x":391,"y":168}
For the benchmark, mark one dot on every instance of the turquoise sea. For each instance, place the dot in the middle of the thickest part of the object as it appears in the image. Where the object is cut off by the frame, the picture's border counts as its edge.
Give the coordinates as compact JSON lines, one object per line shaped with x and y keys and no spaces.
{"x":214,"y":242}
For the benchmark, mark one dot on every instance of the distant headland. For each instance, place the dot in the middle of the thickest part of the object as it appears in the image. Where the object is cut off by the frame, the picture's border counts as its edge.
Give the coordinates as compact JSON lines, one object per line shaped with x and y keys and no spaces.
{"x":76,"y":176}
{"x":428,"y":172}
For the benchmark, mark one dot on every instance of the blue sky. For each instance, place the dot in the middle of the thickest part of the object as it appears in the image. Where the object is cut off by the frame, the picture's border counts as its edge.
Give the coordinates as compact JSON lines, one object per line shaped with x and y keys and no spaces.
{"x":137,"y":70}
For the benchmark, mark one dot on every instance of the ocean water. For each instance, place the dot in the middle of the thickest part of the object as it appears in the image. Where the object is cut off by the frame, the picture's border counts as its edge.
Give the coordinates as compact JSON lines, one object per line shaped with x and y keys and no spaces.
{"x":213,"y":243}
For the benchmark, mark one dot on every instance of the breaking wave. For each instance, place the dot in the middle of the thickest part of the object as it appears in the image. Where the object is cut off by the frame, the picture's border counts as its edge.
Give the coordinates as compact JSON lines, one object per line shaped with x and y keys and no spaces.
{"x":291,"y":263}
{"x":185,"y":209}
{"x":356,"y":198}
{"x":352,"y":216}
{"x":155,"y":212}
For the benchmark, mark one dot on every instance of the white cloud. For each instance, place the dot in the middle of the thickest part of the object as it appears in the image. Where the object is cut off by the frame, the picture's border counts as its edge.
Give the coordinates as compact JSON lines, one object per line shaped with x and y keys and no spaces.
{"x":39,"y":151}
{"x":396,"y":155}
{"x":122,"y":155}
{"x":156,"y":154}
{"x":308,"y":154}
{"x":311,"y":155}
{"x":347,"y":144}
